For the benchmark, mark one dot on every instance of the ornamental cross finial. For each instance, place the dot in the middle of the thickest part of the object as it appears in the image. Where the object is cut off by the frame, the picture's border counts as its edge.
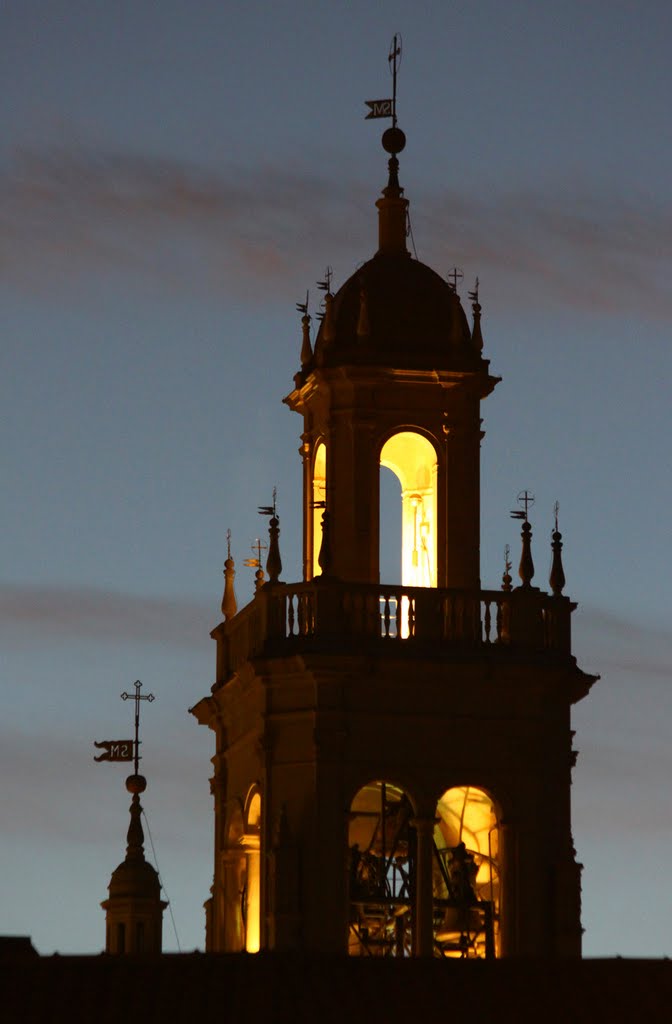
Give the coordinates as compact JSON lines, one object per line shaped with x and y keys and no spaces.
{"x":137,"y":697}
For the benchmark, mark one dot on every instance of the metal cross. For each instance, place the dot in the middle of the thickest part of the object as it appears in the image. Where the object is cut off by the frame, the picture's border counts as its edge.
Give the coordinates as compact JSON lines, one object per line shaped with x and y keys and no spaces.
{"x":525,"y":499}
{"x":395,"y":52}
{"x":137,"y":697}
{"x":456,"y":274}
{"x":255,"y":563}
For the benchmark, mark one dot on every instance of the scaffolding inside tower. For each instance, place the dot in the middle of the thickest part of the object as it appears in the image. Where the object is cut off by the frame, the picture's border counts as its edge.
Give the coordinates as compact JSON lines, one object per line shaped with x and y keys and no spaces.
{"x":382,"y":859}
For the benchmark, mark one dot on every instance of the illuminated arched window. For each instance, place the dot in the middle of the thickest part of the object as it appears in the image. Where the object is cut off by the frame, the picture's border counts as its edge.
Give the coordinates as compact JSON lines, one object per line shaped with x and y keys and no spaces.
{"x":381,"y":846}
{"x":251,"y":843}
{"x":466,"y":874}
{"x":412,"y":459}
{"x":319,"y":497}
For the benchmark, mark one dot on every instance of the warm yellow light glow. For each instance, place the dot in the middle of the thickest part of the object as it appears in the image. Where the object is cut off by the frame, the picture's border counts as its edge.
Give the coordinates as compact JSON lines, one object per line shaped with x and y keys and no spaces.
{"x":251,"y":843}
{"x":412,"y":459}
{"x":381,"y":874}
{"x":466,"y":815}
{"x":319,"y":496}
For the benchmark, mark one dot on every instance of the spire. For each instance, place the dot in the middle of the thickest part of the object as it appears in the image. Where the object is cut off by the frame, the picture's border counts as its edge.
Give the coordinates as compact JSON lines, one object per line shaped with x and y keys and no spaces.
{"x":135,"y":836}
{"x":476,"y":335}
{"x":557,"y":577}
{"x":134,"y":908}
{"x":229,"y":603}
{"x":392,"y":208}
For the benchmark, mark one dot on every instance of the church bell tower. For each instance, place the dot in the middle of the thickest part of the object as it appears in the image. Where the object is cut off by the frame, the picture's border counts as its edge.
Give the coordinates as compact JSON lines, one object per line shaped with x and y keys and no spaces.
{"x":393,"y":758}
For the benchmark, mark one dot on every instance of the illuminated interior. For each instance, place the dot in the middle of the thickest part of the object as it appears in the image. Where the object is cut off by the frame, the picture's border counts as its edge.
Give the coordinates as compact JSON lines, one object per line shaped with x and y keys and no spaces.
{"x":251,"y":843}
{"x":412,"y":459}
{"x":381,"y":847}
{"x":466,"y":875}
{"x":319,"y":497}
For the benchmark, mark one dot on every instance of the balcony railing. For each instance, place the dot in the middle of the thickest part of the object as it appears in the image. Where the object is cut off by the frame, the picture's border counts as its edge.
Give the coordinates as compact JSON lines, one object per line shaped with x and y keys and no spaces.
{"x":351,"y":617}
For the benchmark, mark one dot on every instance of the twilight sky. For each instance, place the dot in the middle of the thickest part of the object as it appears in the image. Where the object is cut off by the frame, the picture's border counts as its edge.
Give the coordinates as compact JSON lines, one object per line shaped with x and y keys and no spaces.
{"x":173,"y":177}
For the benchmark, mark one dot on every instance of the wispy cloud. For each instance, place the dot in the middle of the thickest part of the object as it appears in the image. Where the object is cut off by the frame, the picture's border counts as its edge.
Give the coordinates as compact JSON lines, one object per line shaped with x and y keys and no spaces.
{"x":79,"y":612}
{"x":69,"y":212}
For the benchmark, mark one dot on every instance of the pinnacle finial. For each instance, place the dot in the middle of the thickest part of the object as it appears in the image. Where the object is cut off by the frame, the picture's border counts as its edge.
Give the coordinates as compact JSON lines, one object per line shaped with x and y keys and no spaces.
{"x":306,"y":347}
{"x":526,"y":567}
{"x":273,"y":562}
{"x":229,"y":603}
{"x":476,"y":335}
{"x":557,"y":576}
{"x":506,"y":578}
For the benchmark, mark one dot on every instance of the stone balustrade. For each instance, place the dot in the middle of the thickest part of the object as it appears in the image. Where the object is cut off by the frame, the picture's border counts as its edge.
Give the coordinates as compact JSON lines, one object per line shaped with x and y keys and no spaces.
{"x":350,"y":617}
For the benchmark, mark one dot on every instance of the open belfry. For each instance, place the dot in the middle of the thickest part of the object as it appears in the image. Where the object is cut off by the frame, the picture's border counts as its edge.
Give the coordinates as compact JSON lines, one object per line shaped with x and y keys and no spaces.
{"x":393,"y":758}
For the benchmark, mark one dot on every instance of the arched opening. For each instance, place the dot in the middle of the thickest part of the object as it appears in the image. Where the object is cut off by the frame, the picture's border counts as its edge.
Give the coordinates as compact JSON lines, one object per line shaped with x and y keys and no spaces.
{"x":319,"y":498}
{"x":466,"y":876}
{"x":251,"y":896}
{"x":381,"y":843}
{"x":234,"y":879}
{"x":412,"y":459}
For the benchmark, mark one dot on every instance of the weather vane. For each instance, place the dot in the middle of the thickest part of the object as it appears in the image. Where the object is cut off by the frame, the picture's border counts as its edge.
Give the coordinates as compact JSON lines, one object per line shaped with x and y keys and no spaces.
{"x":556,"y":509}
{"x":526,"y":500}
{"x":388,"y":107}
{"x":302,"y":307}
{"x":473,"y":296}
{"x":269,"y":510}
{"x":126,"y":750}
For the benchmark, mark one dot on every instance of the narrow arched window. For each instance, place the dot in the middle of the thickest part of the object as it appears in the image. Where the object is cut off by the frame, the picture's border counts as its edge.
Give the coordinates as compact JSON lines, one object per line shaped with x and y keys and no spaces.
{"x":412,"y":458}
{"x":466,"y":876}
{"x":381,"y":870}
{"x":319,"y":498}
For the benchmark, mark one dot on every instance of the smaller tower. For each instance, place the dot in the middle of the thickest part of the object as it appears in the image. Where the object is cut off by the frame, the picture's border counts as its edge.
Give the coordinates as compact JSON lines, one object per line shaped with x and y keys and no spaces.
{"x":134,"y":908}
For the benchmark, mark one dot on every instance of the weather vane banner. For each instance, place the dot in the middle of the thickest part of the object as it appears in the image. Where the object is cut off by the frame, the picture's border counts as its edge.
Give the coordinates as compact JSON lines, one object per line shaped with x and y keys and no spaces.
{"x":115,"y":750}
{"x":379,"y":108}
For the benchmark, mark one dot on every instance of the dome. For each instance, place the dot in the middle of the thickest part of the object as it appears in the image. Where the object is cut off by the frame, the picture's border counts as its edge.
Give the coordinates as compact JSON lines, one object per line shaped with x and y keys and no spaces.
{"x":396,"y":311}
{"x":135,"y":878}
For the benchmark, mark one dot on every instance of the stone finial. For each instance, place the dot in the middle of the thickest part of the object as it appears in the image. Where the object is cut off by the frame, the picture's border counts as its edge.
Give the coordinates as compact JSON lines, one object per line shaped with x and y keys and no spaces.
{"x":273,"y":562}
{"x":506,"y":578}
{"x":324,"y":557}
{"x":306,"y":347}
{"x":229,"y":603}
{"x":526,"y":567}
{"x":557,"y":576}
{"x":328,"y":324}
{"x":476,"y":334}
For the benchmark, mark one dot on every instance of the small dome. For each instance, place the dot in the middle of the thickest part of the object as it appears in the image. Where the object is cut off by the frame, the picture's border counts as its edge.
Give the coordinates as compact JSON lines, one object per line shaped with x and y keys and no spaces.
{"x":413,"y":319}
{"x":135,"y":877}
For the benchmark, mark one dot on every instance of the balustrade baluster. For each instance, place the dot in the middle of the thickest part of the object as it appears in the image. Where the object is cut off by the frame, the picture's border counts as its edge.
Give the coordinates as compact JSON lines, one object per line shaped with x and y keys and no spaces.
{"x":487,"y":622}
{"x":386,"y":615}
{"x":290,"y":614}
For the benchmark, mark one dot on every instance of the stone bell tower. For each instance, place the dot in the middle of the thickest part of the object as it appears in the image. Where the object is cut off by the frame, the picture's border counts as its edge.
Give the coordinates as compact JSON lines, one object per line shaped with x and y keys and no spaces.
{"x":393,"y":758}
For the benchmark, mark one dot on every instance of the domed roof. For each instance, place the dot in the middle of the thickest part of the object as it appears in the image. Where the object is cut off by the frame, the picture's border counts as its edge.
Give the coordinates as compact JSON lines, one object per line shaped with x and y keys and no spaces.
{"x":135,"y":878}
{"x":396,"y":311}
